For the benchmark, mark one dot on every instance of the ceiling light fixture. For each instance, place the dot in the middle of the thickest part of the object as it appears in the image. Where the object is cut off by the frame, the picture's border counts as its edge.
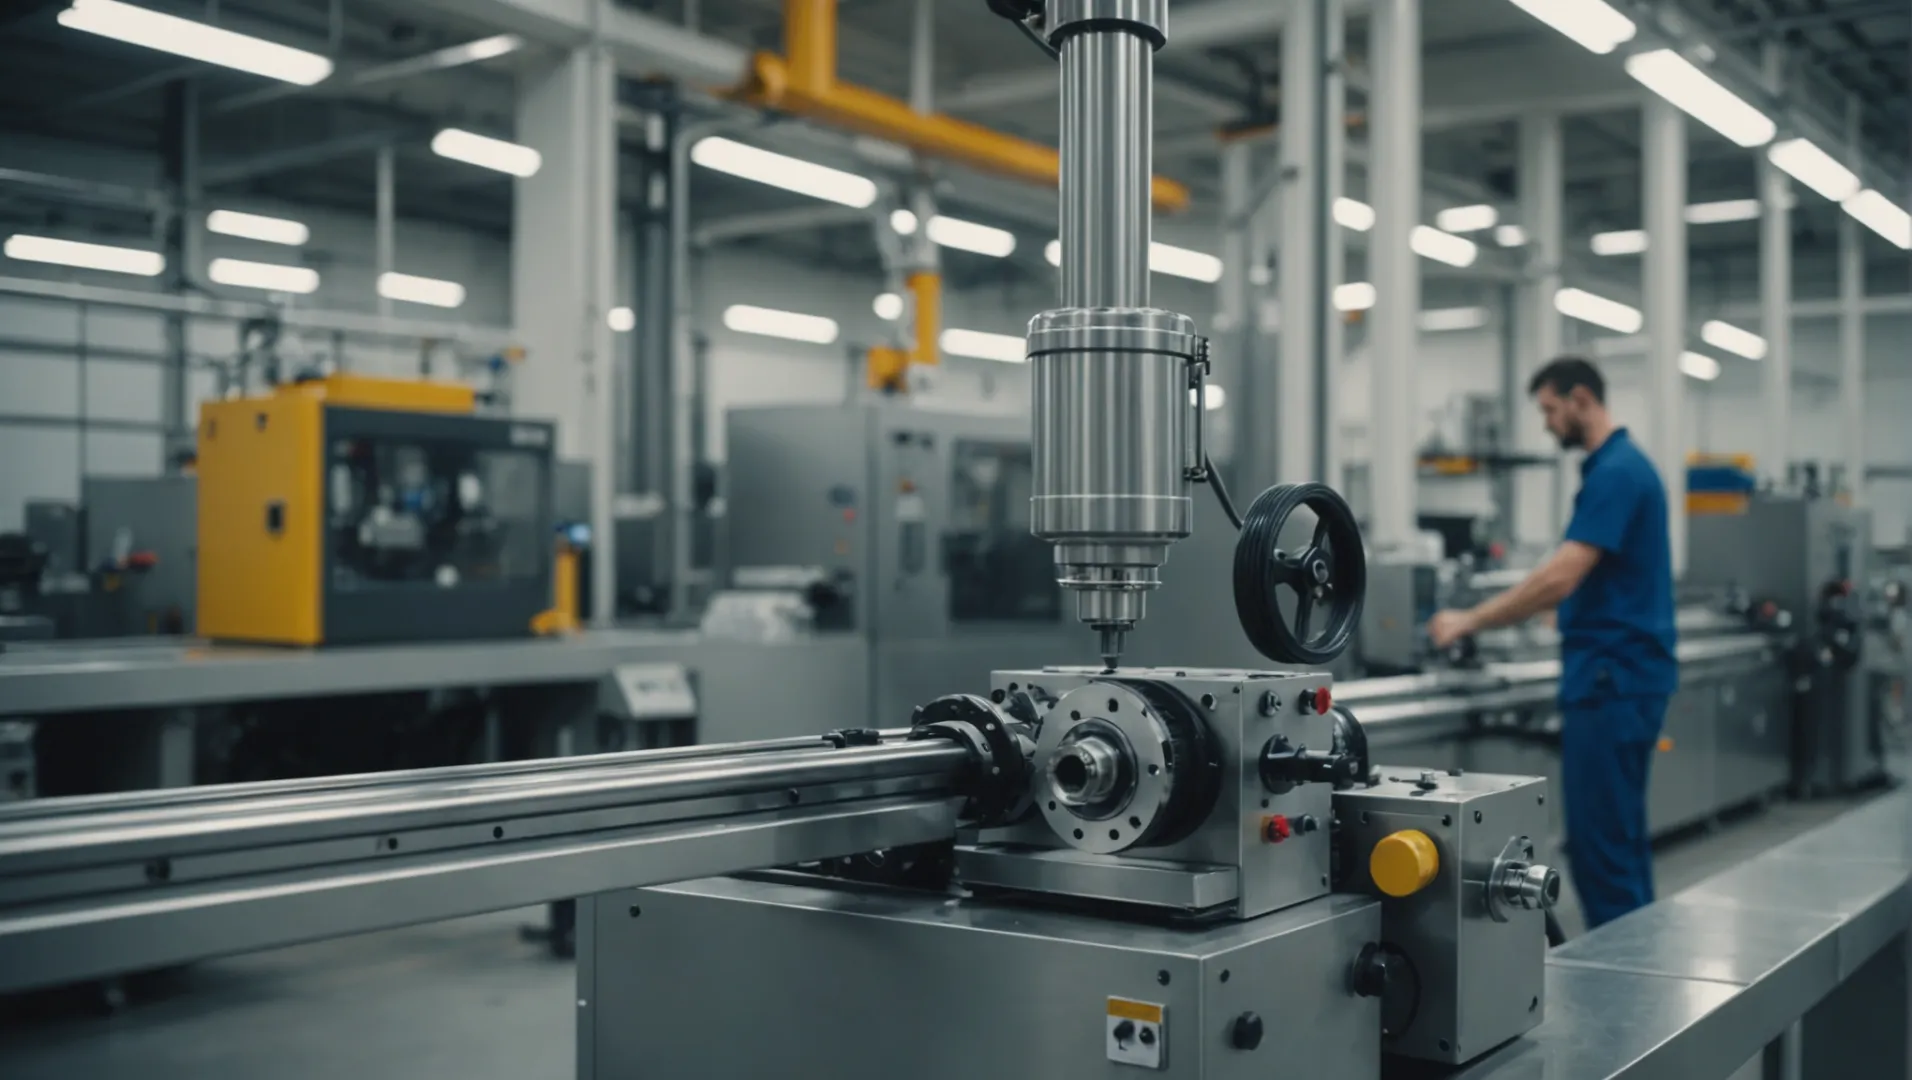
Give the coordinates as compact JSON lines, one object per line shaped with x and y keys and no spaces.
{"x":487,"y":152}
{"x":272,"y":277}
{"x":1882,"y":216}
{"x":1724,"y":335}
{"x":1431,"y":243}
{"x":1466,"y":219}
{"x":196,"y":41}
{"x":979,"y":345}
{"x":963,"y":235}
{"x":1598,"y":310}
{"x":1184,"y":263}
{"x":117,"y":260}
{"x":888,"y":306}
{"x":1699,"y":366}
{"x":1353,"y":214}
{"x":790,"y":325}
{"x":420,"y":290}
{"x":1354,"y":296}
{"x":1620,"y":242}
{"x":1813,"y":167}
{"x":1694,"y":92}
{"x":270,"y":230}
{"x":779,"y":170}
{"x":621,"y":319}
{"x":1592,"y":24}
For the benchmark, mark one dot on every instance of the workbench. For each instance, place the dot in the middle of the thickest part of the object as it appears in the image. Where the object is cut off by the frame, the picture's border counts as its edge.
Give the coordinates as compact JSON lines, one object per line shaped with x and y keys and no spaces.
{"x":158,"y":686}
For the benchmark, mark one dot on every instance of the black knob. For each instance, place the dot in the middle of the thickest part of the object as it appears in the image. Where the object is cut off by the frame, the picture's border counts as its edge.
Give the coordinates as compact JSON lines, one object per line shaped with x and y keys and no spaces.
{"x":1125,"y":1031}
{"x":1147,"y":1038}
{"x":1284,"y":765}
{"x":1246,"y":1032}
{"x":1306,"y":823}
{"x":1369,"y":978}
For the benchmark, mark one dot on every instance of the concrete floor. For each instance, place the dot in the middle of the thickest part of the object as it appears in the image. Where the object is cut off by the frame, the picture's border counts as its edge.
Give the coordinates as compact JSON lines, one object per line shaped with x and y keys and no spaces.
{"x":460,"y":1000}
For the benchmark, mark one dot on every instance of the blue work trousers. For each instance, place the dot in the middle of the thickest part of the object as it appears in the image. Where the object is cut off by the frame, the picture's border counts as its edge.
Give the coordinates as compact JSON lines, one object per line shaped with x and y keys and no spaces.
{"x":1606,"y":749}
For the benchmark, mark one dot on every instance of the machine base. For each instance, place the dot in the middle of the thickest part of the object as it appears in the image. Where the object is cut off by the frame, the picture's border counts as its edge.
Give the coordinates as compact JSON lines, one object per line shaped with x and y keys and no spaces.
{"x":731,"y":977}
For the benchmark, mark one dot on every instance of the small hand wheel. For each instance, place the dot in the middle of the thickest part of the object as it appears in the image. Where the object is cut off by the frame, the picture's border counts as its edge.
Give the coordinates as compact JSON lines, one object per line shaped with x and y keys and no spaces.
{"x":1326,"y":579}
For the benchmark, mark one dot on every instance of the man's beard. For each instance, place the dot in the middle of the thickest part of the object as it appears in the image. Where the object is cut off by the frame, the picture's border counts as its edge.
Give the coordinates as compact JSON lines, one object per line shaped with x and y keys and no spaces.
{"x":1574,"y":437}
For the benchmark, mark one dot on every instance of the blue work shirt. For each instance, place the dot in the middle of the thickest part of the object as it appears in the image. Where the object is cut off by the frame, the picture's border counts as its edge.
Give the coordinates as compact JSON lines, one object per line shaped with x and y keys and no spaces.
{"x":1616,"y":630}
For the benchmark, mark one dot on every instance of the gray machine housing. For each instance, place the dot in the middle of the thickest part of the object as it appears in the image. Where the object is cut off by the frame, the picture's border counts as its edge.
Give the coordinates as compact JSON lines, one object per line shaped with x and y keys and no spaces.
{"x":762,"y":978}
{"x":921,"y":517}
{"x":1480,"y":979}
{"x":1792,"y":551}
{"x":1227,"y":862}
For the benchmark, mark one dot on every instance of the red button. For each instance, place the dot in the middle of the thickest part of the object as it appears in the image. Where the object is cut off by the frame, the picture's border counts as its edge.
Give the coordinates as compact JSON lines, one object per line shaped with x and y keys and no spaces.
{"x":1323,"y":700}
{"x":1275,"y":828}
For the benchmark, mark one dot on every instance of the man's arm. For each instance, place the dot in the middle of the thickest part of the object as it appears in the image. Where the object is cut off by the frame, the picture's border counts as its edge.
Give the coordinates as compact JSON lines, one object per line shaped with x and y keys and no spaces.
{"x":1549,"y":584}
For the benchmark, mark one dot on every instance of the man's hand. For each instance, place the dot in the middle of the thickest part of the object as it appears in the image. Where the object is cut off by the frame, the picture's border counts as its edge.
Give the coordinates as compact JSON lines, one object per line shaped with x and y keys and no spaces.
{"x":1447,"y":627}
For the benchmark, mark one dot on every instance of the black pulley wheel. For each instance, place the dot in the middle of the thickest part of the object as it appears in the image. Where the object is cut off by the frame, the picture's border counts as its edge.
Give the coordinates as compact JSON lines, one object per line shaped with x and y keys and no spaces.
{"x":1300,"y":605}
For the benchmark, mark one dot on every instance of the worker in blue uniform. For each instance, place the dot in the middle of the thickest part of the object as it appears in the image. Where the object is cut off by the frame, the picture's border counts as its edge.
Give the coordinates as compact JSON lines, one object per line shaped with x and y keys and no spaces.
{"x":1611,"y":582}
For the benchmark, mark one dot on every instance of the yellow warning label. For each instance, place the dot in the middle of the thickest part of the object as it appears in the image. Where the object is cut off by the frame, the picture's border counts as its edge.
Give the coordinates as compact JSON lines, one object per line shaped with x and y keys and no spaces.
{"x":1135,"y":1010}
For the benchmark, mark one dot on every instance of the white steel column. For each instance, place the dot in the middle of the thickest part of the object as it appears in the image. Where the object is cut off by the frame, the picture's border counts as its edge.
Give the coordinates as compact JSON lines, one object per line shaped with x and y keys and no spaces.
{"x":1334,"y":337}
{"x":385,"y":240}
{"x":1775,"y":297}
{"x":1852,"y":331}
{"x":563,"y":250}
{"x":1394,"y":179}
{"x":1285,"y":449}
{"x":1664,"y":283}
{"x":1542,"y":186}
{"x":1237,"y":368}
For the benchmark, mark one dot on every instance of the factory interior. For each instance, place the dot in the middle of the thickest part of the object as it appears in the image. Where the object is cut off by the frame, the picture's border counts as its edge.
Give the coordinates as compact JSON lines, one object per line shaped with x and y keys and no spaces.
{"x":880,"y":538}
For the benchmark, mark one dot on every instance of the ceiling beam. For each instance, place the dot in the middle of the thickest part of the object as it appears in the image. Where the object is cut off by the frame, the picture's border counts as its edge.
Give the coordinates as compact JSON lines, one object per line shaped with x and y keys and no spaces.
{"x":454,"y":56}
{"x":227,"y":173}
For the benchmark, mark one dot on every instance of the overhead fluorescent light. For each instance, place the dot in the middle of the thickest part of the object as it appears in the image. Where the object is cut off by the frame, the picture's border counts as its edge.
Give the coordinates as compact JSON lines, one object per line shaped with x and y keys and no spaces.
{"x":1621,"y":242}
{"x":1460,"y":318}
{"x":493,"y":47}
{"x":1052,"y":251}
{"x":1882,"y":216}
{"x":1592,"y":24}
{"x":747,"y":319}
{"x":196,"y":40}
{"x":1353,"y":214}
{"x":271,"y":277}
{"x":118,"y":260}
{"x":1183,"y":263}
{"x":979,"y":345}
{"x":963,"y":235}
{"x":1598,"y":310}
{"x":420,"y":290}
{"x":1699,"y":366}
{"x":270,"y":230}
{"x":1694,"y":92}
{"x":1724,"y":335}
{"x":1813,"y":167}
{"x":1431,"y":243}
{"x":779,"y":170}
{"x":1354,"y":296}
{"x":621,"y":319}
{"x":487,"y":152}
{"x":903,"y":222}
{"x":888,"y":306}
{"x":1510,"y":236}
{"x":1719,"y":213}
{"x":1466,"y":219}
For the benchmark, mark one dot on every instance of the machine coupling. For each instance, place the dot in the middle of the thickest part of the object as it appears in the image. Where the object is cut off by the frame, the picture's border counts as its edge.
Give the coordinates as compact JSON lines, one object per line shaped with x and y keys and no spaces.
{"x":1518,"y":883}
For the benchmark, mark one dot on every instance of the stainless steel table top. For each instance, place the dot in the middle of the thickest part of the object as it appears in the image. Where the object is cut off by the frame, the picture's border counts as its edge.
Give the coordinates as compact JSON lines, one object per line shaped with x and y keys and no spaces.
{"x":1698,"y":983}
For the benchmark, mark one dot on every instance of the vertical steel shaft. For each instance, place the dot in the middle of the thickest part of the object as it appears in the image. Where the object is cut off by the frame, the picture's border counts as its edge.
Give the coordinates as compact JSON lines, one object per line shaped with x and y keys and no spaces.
{"x":1112,"y":420}
{"x":1107,"y":125}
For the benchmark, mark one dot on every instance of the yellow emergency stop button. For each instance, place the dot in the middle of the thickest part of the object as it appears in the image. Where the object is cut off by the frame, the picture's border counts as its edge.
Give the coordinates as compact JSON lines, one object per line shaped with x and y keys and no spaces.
{"x":1403,"y":863}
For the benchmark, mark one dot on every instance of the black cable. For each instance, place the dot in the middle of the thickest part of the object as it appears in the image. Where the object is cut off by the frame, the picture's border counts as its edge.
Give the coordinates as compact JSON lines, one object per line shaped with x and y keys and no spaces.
{"x":1030,"y":33}
{"x":1221,"y":492}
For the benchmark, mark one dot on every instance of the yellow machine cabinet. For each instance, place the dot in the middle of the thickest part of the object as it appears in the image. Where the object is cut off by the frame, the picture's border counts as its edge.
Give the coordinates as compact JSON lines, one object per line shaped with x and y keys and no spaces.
{"x":358,"y":510}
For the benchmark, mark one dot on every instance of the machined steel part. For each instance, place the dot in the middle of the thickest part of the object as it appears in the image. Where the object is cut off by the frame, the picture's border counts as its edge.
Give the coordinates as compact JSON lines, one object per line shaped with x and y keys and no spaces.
{"x":1121,"y":765}
{"x":1517,"y":883}
{"x":102,"y":885}
{"x":1115,"y":433}
{"x":1115,"y":415}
